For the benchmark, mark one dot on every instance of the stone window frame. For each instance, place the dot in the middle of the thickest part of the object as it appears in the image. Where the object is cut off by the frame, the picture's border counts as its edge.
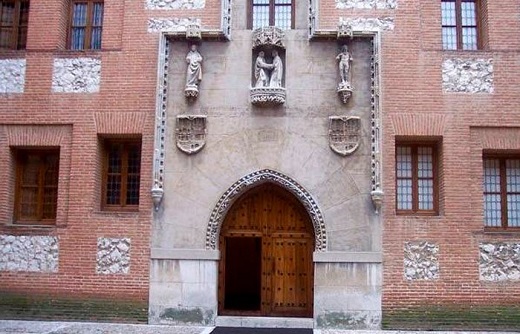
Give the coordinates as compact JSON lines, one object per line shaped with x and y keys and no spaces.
{"x":503,"y":193}
{"x":125,"y":143}
{"x":21,"y":155}
{"x":14,"y":38}
{"x":272,"y":6}
{"x":89,"y":25}
{"x":480,"y":25}
{"x":436,"y":146}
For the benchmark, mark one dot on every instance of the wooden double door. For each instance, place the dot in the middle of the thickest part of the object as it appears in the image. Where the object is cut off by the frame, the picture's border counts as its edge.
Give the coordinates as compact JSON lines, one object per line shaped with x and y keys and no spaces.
{"x":266,"y":266}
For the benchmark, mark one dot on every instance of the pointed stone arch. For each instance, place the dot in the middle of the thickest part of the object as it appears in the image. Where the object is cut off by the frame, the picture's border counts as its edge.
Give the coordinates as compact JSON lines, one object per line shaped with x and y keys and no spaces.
{"x":252,"y":180}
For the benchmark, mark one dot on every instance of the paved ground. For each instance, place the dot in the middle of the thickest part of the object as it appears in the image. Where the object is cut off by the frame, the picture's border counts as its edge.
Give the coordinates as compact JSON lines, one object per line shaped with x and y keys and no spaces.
{"x":49,"y":327}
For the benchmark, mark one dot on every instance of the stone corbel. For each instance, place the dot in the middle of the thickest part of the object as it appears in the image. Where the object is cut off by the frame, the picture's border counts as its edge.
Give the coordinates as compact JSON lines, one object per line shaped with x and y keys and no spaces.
{"x":377,"y":199}
{"x":193,"y":32}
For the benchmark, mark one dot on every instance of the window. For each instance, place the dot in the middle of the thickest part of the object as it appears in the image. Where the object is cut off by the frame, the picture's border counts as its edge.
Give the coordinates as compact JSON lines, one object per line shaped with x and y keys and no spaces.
{"x":122,"y":174}
{"x":459,"y":24}
{"x":14,"y":18}
{"x":501,"y":192}
{"x":278,"y":13}
{"x":36,"y":194}
{"x":416,"y":177}
{"x":86,"y":24}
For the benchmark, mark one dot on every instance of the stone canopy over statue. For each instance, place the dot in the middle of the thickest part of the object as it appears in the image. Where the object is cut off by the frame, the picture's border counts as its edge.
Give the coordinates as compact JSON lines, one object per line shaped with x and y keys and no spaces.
{"x":267,"y":86}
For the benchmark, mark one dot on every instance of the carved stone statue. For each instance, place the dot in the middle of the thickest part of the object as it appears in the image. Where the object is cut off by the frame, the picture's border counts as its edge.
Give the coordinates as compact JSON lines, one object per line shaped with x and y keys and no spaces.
{"x":194,"y":72}
{"x":277,"y":73}
{"x":261,"y":70}
{"x":344,"y":61}
{"x":344,"y":88}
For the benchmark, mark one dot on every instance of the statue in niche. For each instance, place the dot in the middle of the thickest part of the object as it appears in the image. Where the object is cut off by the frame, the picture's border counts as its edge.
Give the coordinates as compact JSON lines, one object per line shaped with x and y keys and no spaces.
{"x":193,"y":72}
{"x":261,"y":71}
{"x":344,"y":59}
{"x":277,"y":73}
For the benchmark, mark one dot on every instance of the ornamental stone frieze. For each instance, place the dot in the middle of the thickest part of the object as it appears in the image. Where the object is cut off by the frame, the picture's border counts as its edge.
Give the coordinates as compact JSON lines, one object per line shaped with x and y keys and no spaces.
{"x":467,"y":75}
{"x":175,"y":4}
{"x":190,"y":133}
{"x":499,"y":262}
{"x":268,"y":86}
{"x":366,"y":4}
{"x":76,"y":75}
{"x":173,"y":24}
{"x":12,"y":75}
{"x":421,"y":261}
{"x":368,"y":24}
{"x":29,"y":253}
{"x":113,"y":256}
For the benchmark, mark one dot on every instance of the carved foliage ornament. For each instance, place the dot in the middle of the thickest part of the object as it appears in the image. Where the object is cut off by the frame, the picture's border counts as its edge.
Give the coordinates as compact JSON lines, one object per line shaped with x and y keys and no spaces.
{"x":190,"y":133}
{"x":344,"y":134}
{"x":268,"y":36}
{"x":247,"y":182}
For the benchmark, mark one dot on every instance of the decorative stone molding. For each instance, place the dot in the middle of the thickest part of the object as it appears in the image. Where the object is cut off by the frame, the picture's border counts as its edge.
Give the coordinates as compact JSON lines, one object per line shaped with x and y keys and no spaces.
{"x":226,"y":18}
{"x":268,"y":36}
{"x":173,"y":24}
{"x":76,"y":75}
{"x":499,"y":262}
{"x":113,"y":256}
{"x":175,"y":4}
{"x":29,"y":253}
{"x":344,"y":134}
{"x":193,"y":31}
{"x":368,"y":24}
{"x":12,"y":75}
{"x":157,"y":190}
{"x":249,"y":181}
{"x":467,"y":75}
{"x":190,"y":133}
{"x":421,"y":260}
{"x":375,"y":125}
{"x":267,"y":96}
{"x":366,"y":4}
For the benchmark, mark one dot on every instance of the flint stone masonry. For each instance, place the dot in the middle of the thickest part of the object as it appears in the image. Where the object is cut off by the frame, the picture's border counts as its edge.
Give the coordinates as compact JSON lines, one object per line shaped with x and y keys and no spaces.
{"x":467,"y":75}
{"x":499,"y":262}
{"x":113,"y":256}
{"x":366,"y":4}
{"x":421,"y":261}
{"x":12,"y":75}
{"x":175,"y":4}
{"x":76,"y":75}
{"x":29,"y":253}
{"x":171,"y":24}
{"x":368,"y":24}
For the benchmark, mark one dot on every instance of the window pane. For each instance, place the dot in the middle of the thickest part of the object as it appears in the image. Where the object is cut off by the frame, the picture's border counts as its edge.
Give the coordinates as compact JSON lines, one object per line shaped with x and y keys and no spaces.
{"x":513,"y":175}
{"x":492,"y":210}
{"x":468,"y":13}
{"x":469,"y":38}
{"x":77,"y":38}
{"x":113,"y":190}
{"x":95,"y":42}
{"x":97,"y":15}
{"x":513,"y":210}
{"x":282,"y":17}
{"x":425,"y":162}
{"x":448,"y":13}
{"x":492,"y":176}
{"x":404,"y":194}
{"x":449,"y":38}
{"x":404,"y":162}
{"x":7,"y":18}
{"x":425,"y":188}
{"x":79,"y":15}
{"x":260,"y":16}
{"x":132,"y":192}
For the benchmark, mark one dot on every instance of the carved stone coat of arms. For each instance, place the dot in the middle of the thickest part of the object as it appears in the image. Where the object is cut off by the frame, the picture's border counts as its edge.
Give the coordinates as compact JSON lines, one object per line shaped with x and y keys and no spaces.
{"x":344,"y":134}
{"x":190,"y":133}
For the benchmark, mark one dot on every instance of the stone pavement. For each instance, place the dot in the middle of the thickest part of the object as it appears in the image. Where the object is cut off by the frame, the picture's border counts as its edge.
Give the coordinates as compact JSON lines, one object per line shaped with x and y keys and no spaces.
{"x":50,"y":327}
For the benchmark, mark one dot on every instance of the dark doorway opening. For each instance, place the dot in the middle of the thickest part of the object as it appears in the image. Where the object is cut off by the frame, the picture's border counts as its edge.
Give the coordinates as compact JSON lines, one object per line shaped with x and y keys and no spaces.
{"x":243,"y":267}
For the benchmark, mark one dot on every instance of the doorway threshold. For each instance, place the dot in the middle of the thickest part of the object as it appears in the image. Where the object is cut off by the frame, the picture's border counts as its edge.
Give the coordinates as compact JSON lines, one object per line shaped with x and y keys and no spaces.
{"x":264,"y":322}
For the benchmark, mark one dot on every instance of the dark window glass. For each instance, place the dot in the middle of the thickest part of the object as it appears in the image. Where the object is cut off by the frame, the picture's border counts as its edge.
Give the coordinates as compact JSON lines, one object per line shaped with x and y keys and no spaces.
{"x":14,"y":18}
{"x":86,"y":25}
{"x":279,"y":13}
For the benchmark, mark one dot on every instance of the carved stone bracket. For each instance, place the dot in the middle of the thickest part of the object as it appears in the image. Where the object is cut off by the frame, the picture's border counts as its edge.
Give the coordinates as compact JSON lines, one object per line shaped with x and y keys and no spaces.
{"x":268,"y":36}
{"x":190,"y":133}
{"x":247,"y":182}
{"x":193,"y":32}
{"x":344,"y":91}
{"x":344,"y":134}
{"x":267,"y":96}
{"x":345,"y":30}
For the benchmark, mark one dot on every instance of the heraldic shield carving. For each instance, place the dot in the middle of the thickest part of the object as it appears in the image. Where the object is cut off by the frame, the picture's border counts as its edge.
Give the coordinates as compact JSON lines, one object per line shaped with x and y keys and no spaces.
{"x":190,"y":133}
{"x":344,"y":134}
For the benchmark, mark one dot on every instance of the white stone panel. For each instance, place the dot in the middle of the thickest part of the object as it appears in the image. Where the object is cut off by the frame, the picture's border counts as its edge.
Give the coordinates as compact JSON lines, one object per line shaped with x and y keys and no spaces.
{"x":29,"y":253}
{"x":12,"y":75}
{"x":173,"y":24}
{"x":113,"y":256}
{"x":369,"y":23}
{"x":467,"y":75}
{"x":366,"y":4}
{"x":175,"y":4}
{"x":499,"y":262}
{"x":76,"y":75}
{"x":421,"y":260}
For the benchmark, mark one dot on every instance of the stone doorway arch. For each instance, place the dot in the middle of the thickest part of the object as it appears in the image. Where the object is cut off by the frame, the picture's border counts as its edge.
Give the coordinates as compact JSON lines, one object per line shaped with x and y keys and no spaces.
{"x":255,"y":179}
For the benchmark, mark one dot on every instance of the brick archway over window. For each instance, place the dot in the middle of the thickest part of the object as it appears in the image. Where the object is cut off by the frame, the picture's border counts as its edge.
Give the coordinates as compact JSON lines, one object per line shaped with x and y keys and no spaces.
{"x":252,"y":180}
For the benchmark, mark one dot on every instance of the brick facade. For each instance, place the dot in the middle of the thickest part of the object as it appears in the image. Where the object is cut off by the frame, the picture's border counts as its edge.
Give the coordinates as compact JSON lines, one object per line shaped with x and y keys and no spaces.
{"x":416,"y":105}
